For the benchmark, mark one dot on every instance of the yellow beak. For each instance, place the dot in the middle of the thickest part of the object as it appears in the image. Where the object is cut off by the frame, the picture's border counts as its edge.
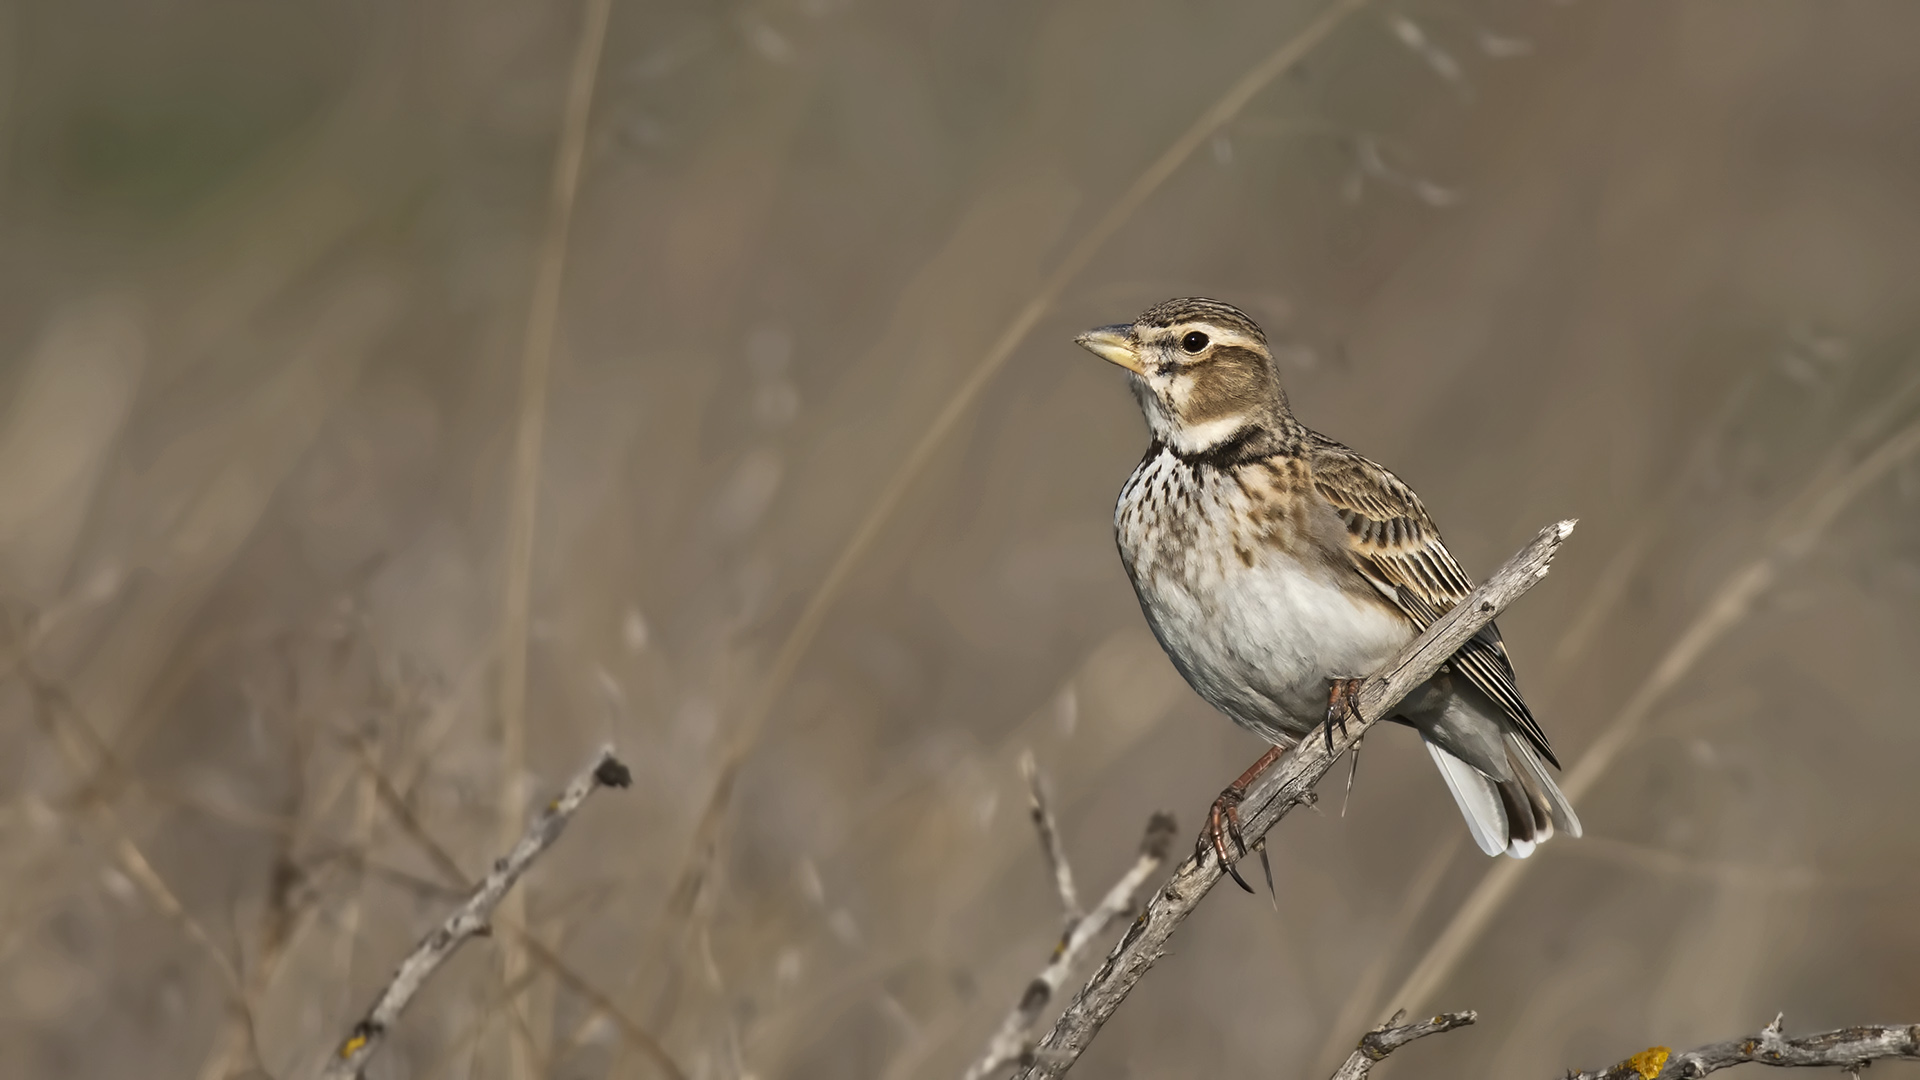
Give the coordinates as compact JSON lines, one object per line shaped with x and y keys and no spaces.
{"x":1113,"y":344}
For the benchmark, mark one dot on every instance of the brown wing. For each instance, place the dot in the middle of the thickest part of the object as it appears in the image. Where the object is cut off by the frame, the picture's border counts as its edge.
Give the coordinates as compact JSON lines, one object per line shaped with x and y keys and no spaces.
{"x":1395,"y":545}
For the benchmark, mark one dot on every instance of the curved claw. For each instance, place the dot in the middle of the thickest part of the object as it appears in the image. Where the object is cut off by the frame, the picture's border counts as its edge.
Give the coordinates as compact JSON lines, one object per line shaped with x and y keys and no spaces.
{"x":1223,"y":821}
{"x":1234,"y":873}
{"x":1343,"y":702}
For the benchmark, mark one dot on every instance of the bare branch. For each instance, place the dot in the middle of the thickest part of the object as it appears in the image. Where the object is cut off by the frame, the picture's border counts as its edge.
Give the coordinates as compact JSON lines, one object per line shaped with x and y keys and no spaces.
{"x":1051,"y":848}
{"x":1375,"y":1045}
{"x":1276,"y":792}
{"x":1850,"y":1048}
{"x":471,"y":918}
{"x":1013,"y":1043}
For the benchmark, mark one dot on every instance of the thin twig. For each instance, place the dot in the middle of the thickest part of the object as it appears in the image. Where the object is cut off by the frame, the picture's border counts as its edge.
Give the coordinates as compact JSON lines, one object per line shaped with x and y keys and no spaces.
{"x":1013,"y":1043}
{"x":704,"y":848}
{"x":1850,"y":1048}
{"x":471,"y":918}
{"x":460,"y":886}
{"x":1051,"y":848}
{"x":1375,"y":1045}
{"x":1275,"y":793}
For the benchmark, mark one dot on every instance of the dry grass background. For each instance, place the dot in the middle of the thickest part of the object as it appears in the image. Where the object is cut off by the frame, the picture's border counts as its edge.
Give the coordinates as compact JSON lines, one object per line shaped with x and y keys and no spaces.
{"x":265,"y":281}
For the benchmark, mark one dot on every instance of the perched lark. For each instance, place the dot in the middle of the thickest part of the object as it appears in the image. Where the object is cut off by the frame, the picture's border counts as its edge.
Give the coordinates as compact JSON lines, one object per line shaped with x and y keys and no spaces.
{"x":1277,"y":568}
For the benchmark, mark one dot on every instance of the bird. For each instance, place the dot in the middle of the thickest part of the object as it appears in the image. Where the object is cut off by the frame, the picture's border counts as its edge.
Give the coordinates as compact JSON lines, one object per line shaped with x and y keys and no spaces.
{"x":1278,"y":568}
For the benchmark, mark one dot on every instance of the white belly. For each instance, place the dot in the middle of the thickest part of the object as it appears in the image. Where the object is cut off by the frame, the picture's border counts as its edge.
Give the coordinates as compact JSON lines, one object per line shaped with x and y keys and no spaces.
{"x":1258,"y":641}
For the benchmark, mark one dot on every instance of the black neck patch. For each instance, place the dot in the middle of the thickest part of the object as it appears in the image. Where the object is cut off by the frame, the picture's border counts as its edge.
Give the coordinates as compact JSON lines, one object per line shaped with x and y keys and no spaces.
{"x":1250,"y":443}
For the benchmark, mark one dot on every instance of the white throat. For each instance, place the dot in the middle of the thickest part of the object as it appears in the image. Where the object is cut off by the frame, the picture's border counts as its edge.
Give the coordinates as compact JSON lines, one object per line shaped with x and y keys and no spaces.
{"x":1200,"y":438}
{"x":1170,"y":432}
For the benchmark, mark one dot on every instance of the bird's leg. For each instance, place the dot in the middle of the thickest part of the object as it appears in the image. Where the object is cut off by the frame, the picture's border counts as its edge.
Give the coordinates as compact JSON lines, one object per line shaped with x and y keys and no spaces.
{"x":1223,"y":821}
{"x":1343,"y":704}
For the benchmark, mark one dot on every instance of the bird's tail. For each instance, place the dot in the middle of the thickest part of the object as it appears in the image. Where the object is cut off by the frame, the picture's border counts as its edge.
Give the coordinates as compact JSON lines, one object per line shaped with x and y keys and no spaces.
{"x":1513,"y":815}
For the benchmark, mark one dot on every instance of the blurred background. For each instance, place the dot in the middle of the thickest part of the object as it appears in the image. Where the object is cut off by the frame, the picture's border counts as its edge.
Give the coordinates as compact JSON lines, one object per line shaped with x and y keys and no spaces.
{"x":819,"y":492}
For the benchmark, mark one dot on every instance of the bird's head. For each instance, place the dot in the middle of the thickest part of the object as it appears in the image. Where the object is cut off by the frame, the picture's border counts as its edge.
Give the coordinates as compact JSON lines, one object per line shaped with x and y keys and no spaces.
{"x":1201,"y":370}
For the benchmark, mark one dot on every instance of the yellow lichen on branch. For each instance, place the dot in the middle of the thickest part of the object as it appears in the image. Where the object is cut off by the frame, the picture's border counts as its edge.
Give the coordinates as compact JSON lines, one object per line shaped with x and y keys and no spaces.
{"x":1648,"y":1062}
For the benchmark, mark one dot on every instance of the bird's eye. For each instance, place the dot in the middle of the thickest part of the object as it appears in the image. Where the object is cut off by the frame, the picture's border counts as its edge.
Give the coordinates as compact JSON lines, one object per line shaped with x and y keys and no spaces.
{"x":1196,"y":342}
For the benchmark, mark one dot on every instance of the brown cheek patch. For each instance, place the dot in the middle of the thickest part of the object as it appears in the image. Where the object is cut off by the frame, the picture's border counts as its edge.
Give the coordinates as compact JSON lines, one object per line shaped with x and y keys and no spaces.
{"x":1231,"y":382}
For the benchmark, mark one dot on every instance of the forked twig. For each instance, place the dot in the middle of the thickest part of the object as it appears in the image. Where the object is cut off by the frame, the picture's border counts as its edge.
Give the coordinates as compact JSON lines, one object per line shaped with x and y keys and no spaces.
{"x":1013,"y":1042}
{"x":471,"y":918}
{"x":1375,"y":1045}
{"x":1275,"y":793}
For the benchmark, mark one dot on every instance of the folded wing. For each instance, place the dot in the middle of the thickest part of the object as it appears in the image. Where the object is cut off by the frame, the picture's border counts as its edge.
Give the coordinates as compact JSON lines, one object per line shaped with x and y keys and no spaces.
{"x":1395,"y":545}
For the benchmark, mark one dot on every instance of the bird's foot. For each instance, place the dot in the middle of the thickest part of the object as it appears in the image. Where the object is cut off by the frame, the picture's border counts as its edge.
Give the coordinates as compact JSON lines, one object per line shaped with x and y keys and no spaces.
{"x":1223,"y":821}
{"x":1343,"y":704}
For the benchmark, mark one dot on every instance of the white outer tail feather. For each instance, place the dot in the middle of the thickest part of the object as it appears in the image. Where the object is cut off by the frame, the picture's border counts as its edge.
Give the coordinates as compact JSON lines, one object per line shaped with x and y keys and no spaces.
{"x":1478,"y":801}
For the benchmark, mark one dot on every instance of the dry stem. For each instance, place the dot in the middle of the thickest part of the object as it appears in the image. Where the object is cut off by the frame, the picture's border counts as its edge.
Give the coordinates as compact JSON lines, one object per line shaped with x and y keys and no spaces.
{"x":543,"y":317}
{"x":1051,"y":848}
{"x":1013,"y":1042}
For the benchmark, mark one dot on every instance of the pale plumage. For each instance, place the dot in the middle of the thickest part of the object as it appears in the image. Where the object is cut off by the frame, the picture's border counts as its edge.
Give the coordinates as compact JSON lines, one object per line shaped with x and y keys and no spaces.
{"x":1270,"y":561}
